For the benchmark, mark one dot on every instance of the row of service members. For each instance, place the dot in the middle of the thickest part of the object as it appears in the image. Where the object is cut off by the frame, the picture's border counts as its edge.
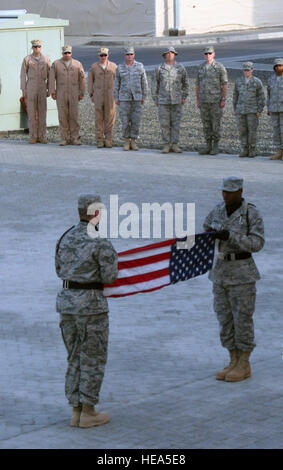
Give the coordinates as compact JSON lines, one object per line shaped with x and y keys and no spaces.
{"x":126,"y":86}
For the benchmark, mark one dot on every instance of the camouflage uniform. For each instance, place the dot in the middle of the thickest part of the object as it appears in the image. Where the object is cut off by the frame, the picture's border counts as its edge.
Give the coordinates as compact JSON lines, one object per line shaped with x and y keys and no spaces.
{"x":210,"y":80}
{"x":275,"y":107}
{"x":234,"y":281}
{"x":248,"y":100}
{"x":130,"y":87}
{"x":169,"y":88}
{"x":84,"y":312}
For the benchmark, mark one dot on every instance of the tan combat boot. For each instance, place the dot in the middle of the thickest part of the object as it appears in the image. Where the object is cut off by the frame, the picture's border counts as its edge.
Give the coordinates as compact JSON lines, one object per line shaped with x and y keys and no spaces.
{"x":134,"y":144}
{"x":242,"y":370}
{"x":100,"y":144}
{"x":90,"y":418}
{"x":233,"y":362}
{"x":166,"y":148}
{"x":42,"y":140}
{"x":76,"y":414}
{"x":206,"y":150}
{"x":76,"y":142}
{"x":176,"y":149}
{"x":277,"y":156}
{"x":32,"y":140}
{"x":127,"y":144}
{"x":108,"y":143}
{"x":63,"y":142}
{"x":215,"y":149}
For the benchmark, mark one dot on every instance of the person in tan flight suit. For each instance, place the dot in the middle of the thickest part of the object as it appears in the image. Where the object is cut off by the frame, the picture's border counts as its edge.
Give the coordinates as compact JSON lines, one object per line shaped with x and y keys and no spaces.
{"x":101,"y":77}
{"x":35,"y":89}
{"x":67,"y":87}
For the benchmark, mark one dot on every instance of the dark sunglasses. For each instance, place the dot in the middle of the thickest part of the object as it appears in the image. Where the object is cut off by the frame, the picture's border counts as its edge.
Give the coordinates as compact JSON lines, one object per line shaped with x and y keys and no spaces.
{"x":130,"y":54}
{"x":207,"y":53}
{"x":103,"y":55}
{"x":67,"y":53}
{"x":35,"y":47}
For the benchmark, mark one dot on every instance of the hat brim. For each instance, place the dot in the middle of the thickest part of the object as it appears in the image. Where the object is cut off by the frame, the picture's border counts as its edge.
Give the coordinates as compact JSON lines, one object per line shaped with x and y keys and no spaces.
{"x":164,"y":53}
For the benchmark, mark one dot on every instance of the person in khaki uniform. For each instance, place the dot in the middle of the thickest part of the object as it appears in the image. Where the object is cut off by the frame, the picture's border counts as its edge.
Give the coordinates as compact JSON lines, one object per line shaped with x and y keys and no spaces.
{"x":67,"y":87}
{"x":101,"y":77}
{"x":35,"y":89}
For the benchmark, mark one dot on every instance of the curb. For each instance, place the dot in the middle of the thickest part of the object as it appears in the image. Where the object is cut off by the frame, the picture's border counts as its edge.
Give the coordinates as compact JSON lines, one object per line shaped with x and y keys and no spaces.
{"x":209,"y":38}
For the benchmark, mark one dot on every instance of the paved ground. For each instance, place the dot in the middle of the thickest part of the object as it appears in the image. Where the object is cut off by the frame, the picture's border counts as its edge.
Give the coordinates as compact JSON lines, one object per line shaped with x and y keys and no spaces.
{"x":159,"y":386}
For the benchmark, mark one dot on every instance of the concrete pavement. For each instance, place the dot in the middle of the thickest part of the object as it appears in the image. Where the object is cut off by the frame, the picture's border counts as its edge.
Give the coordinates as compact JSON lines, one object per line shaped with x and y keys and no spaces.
{"x":159,"y":386}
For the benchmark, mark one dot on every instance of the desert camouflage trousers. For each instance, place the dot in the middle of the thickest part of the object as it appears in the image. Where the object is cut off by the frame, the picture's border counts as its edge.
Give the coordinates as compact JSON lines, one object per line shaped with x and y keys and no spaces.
{"x":169,"y":116}
{"x":130,"y":114}
{"x":277,"y":126}
{"x":86,"y":341}
{"x":234,"y":306}
{"x":211,"y":115}
{"x":247,"y":127}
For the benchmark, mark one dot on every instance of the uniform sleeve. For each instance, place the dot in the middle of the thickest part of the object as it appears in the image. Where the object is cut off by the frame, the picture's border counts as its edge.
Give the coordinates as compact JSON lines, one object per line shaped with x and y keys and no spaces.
{"x":207,"y":222}
{"x":155,"y":85}
{"x":107,"y":260}
{"x":81,"y":80}
{"x":90,"y":81}
{"x":268,"y":95}
{"x":185,"y":84}
{"x":254,"y":240}
{"x":144,"y":85}
{"x":223,"y":75}
{"x":260,"y":97}
{"x":24,"y":75}
{"x":52,"y":79}
{"x":117,"y":84}
{"x":48,"y":67}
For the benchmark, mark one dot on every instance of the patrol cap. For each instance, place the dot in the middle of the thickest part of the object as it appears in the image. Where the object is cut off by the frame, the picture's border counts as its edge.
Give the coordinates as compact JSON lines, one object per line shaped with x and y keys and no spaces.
{"x":277,"y":62}
{"x":66,"y":48}
{"x":103,"y":50}
{"x":248,"y":66}
{"x":86,"y":200}
{"x":36,"y":42}
{"x":232,"y":184}
{"x":170,"y":49}
{"x":129,"y":50}
{"x":208,"y":49}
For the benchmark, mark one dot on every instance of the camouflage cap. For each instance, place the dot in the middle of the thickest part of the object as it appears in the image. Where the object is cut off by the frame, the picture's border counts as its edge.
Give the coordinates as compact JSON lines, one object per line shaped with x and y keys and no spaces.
{"x":208,"y":49}
{"x":248,"y":66}
{"x":66,"y":48}
{"x":170,"y":49}
{"x":36,"y":42}
{"x":129,"y":50}
{"x":277,"y":62}
{"x":87,"y":200}
{"x":232,"y":184}
{"x":103,"y":50}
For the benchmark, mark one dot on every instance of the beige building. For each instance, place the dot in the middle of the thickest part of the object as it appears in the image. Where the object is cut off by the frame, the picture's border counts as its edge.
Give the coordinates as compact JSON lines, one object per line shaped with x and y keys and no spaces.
{"x":155,"y":17}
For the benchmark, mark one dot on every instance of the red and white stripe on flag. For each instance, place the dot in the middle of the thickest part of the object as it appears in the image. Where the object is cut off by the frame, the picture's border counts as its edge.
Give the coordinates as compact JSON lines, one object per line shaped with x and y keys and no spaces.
{"x":142,"y":269}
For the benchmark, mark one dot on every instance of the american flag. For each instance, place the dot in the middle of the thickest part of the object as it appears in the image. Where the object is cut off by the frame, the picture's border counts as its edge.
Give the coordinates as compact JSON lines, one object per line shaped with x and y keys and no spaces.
{"x":154,"y":266}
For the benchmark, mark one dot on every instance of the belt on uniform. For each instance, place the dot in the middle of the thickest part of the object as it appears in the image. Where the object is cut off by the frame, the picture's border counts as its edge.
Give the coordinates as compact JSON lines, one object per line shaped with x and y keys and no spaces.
{"x":234,"y":256}
{"x":86,"y":285}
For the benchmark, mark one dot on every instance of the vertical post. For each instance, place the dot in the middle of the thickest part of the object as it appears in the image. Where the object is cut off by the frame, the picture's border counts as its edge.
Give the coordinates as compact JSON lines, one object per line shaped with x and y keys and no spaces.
{"x":177,"y":14}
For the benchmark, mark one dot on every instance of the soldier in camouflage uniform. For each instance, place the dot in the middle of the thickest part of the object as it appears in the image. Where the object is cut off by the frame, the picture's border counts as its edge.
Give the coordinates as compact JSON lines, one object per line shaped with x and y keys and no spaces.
{"x":170,"y":89}
{"x":275,"y":107}
{"x":85,"y":263}
{"x":211,"y":91}
{"x":130,"y":90}
{"x":248,"y":103}
{"x":239,"y":229}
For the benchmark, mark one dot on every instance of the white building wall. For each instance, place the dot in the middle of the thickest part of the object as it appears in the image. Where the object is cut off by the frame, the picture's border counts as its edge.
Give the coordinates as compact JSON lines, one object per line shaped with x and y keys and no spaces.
{"x":154,"y":17}
{"x":201,"y":16}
